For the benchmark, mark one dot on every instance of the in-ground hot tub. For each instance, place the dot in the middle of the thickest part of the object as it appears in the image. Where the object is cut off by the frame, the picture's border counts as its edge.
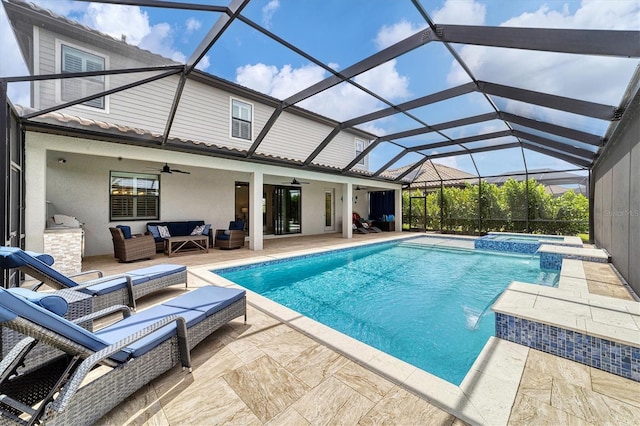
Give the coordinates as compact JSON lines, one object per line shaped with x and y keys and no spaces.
{"x":522,"y":243}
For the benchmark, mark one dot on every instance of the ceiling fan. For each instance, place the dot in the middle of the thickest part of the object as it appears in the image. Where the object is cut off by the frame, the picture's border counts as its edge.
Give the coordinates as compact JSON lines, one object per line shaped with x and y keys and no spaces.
{"x":360,"y":188}
{"x":167,"y":169}
{"x":296,"y":182}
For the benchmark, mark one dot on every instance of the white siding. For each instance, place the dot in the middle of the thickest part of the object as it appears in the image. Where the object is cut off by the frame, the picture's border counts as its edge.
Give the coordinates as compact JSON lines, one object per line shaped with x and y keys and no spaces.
{"x":203,"y":115}
{"x":341,"y":151}
{"x":293,"y":137}
{"x":144,"y":107}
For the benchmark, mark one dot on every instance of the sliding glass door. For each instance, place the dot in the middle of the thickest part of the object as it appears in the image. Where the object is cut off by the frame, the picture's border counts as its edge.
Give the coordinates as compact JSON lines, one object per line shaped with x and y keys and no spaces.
{"x":287,"y":210}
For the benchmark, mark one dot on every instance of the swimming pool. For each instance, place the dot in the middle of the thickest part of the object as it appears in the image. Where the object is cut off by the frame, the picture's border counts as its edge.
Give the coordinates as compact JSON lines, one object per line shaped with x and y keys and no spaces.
{"x":417,"y":302}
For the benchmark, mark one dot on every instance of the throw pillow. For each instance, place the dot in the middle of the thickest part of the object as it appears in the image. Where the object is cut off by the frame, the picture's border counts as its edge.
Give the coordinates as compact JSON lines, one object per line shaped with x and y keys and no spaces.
{"x":207,"y":228}
{"x":51,"y":302}
{"x":154,"y":231}
{"x":126,"y":231}
{"x":163,"y":231}
{"x":227,"y":232}
{"x":198,"y":230}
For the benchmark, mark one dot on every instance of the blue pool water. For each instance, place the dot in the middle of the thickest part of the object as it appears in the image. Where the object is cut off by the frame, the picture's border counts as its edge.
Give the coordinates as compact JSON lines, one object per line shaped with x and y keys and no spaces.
{"x":419,"y":303}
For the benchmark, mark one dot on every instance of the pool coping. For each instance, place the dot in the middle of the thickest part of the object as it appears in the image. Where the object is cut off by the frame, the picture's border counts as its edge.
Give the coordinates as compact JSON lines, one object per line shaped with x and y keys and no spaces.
{"x":486,"y":394}
{"x":546,"y":238}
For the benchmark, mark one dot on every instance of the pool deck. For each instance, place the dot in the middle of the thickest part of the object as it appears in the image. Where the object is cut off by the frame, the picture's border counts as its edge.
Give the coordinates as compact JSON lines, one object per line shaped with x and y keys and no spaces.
{"x":282,"y":368}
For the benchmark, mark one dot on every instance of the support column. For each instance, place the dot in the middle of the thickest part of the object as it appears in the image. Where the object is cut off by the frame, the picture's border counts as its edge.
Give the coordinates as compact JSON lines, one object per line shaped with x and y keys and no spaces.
{"x":347,"y":210}
{"x":256,"y":188}
{"x":35,"y":202}
{"x":398,"y":209}
{"x":4,"y":163}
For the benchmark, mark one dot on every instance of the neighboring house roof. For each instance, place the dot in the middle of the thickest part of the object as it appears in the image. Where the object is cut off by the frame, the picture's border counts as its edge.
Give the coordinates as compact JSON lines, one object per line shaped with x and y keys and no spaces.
{"x":557,"y":190}
{"x":429,"y":174}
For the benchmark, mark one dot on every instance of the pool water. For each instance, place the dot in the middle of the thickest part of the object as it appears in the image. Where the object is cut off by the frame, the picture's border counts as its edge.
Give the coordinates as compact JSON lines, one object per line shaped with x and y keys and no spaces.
{"x":425,"y":305}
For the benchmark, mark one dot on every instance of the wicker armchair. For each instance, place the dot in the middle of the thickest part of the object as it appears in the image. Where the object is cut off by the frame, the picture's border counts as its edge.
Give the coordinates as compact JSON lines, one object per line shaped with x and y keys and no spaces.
{"x":134,"y":248}
{"x":231,"y":238}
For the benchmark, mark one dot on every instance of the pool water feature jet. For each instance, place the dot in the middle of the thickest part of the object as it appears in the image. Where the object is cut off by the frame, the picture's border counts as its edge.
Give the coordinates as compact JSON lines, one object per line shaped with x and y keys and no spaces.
{"x":486,"y":310}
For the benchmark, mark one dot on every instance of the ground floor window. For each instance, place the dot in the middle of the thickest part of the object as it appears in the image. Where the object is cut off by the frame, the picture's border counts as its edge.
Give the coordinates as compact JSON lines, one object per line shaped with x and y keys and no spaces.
{"x":134,"y":196}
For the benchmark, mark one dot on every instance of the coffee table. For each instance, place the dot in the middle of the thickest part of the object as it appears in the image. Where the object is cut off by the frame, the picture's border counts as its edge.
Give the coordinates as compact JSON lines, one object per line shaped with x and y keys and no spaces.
{"x":174,"y":245}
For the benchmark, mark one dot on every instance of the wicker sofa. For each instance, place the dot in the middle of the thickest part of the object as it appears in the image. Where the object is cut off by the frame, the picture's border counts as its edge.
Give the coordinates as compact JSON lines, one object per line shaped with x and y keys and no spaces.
{"x":176,"y":229}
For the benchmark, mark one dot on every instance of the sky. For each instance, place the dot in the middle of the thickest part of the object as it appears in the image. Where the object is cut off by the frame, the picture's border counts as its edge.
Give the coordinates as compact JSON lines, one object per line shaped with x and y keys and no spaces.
{"x":340,"y":33}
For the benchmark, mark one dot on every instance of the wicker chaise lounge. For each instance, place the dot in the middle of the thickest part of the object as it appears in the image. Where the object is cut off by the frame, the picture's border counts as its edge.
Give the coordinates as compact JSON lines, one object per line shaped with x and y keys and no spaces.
{"x":122,"y":289}
{"x":131,"y":352}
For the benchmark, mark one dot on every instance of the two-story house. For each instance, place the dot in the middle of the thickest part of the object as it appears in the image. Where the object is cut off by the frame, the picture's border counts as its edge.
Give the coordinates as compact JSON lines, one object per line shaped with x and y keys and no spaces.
{"x":107,"y":159}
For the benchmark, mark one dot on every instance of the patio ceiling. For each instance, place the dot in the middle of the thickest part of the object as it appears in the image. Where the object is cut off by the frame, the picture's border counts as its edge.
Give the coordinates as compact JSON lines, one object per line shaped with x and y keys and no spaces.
{"x":493,"y":114}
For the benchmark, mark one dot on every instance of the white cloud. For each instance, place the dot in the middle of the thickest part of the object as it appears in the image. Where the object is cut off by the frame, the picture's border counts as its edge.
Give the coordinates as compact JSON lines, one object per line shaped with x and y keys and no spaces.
{"x":343,"y":101}
{"x":19,"y":93}
{"x":447,"y":161}
{"x":159,"y":40}
{"x":268,"y":11}
{"x":386,"y":81}
{"x":118,"y":21}
{"x":204,"y":63}
{"x":133,"y":23}
{"x":61,"y":7}
{"x":461,"y":12}
{"x":340,"y":102}
{"x":593,"y":78}
{"x":193,"y":25}
{"x":389,"y":35}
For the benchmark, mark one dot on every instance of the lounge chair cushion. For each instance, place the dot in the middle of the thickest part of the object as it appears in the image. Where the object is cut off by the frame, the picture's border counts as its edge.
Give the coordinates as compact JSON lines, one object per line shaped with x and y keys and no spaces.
{"x":13,"y":305}
{"x":157,"y":271}
{"x":126,"y":231}
{"x":51,"y":302}
{"x":208,"y":299}
{"x":138,"y":276}
{"x":113,"y":285}
{"x":141,"y":319}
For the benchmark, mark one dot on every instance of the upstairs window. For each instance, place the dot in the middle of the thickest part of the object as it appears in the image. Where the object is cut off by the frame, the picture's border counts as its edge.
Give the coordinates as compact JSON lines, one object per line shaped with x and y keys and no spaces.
{"x":75,"y":60}
{"x":241,"y":118}
{"x":360,"y":146}
{"x":134,"y":196}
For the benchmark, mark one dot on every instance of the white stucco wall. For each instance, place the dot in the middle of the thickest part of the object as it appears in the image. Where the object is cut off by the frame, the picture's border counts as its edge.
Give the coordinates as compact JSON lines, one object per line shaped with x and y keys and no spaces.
{"x":80,"y":187}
